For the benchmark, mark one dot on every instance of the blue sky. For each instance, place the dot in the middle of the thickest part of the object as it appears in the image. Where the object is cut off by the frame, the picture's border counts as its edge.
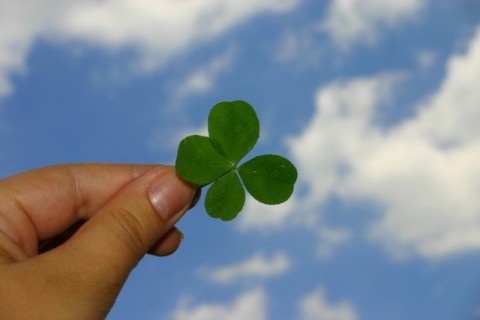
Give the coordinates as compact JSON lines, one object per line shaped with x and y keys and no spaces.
{"x":375,"y":101}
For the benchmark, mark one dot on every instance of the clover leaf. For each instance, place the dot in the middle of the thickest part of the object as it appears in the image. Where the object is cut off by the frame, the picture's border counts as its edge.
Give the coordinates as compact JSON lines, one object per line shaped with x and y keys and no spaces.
{"x":233,"y":129}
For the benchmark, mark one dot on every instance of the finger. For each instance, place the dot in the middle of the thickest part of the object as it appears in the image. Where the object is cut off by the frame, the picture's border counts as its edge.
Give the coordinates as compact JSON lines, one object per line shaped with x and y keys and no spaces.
{"x":196,"y":197}
{"x":111,"y":243}
{"x":163,"y":247}
{"x":46,"y":245}
{"x":42,"y":203}
{"x":86,"y":273}
{"x":168,"y":244}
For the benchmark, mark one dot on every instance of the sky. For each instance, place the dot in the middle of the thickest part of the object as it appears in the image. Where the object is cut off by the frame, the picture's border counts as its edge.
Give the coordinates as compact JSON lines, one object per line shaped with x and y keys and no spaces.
{"x":376,"y":102}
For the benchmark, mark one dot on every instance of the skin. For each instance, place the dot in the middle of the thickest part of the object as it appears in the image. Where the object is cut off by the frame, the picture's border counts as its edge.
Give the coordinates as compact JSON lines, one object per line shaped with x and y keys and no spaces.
{"x":93,"y":224}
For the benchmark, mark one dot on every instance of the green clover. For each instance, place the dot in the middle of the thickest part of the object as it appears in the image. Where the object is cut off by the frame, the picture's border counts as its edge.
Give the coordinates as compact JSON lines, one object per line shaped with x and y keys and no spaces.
{"x":233,"y":130}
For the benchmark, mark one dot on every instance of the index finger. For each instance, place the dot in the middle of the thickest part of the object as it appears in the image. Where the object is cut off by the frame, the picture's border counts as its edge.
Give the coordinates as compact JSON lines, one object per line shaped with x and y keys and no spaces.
{"x":42,"y":203}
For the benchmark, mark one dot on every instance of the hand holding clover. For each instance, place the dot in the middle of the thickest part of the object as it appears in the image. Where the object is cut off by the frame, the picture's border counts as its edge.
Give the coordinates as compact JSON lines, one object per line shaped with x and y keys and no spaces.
{"x":233,"y":129}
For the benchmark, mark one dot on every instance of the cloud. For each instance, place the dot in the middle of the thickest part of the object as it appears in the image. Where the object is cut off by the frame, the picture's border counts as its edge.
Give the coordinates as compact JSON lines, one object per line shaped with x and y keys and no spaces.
{"x":258,"y":216}
{"x":426,"y":59}
{"x":203,"y":79}
{"x":350,"y":22}
{"x":16,"y":33}
{"x":257,"y":266}
{"x":316,"y":307}
{"x":299,"y":47}
{"x":251,"y":305}
{"x":169,"y":137}
{"x":329,"y":239}
{"x":337,"y":132}
{"x":155,"y":30}
{"x":422,"y":174}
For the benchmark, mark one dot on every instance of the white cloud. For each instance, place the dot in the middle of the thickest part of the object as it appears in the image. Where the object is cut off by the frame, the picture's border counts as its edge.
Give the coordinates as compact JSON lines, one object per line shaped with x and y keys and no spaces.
{"x":251,"y":305}
{"x":358,"y":21}
{"x":203,"y":79}
{"x":258,"y":216}
{"x":316,"y":307}
{"x":198,"y":82}
{"x":295,"y":212}
{"x":299,"y":47}
{"x":155,"y":30}
{"x":257,"y":266}
{"x":16,"y":34}
{"x":423,"y":174}
{"x":170,"y":137}
{"x":339,"y":133}
{"x":426,"y":59}
{"x":329,"y":239}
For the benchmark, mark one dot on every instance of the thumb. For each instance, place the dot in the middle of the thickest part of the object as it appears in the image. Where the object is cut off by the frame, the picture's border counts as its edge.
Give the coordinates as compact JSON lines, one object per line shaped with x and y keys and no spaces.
{"x":112,"y":242}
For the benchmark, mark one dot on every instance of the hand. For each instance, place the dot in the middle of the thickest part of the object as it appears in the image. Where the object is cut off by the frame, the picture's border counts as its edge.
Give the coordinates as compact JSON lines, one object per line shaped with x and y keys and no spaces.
{"x":127,"y":210}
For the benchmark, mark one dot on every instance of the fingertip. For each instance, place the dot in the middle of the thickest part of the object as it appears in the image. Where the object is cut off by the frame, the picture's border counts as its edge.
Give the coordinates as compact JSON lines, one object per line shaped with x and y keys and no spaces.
{"x":170,"y":195}
{"x":168,"y":244}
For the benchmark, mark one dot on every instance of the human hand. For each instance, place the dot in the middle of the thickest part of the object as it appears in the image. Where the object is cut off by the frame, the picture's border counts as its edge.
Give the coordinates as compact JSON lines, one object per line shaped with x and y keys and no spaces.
{"x":128,"y":210}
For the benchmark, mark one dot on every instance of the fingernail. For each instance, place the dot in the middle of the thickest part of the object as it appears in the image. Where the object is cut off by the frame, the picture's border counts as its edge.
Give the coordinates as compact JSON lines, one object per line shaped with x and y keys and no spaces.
{"x":196,"y":197}
{"x":169,"y":195}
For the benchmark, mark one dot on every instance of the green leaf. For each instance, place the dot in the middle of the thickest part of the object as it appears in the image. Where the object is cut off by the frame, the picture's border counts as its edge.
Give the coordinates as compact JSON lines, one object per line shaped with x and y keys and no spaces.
{"x":225,"y":198}
{"x":233,"y":128}
{"x":269,"y":178}
{"x":233,"y":131}
{"x":199,"y":162}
